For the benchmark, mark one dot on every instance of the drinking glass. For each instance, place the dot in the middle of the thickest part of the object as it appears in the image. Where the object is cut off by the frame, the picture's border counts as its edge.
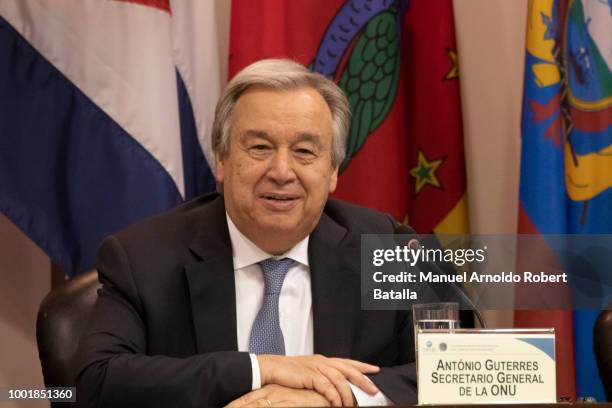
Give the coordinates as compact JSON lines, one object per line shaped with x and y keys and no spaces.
{"x":443,"y":315}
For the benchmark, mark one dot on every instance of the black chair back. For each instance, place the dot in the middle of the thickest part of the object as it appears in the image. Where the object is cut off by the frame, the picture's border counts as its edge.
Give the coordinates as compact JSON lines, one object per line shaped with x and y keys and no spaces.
{"x":603,"y":350}
{"x":62,"y":318}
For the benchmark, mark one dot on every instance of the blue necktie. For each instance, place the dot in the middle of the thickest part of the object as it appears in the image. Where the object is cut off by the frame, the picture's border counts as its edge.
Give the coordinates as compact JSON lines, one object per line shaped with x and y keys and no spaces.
{"x":266,"y":335}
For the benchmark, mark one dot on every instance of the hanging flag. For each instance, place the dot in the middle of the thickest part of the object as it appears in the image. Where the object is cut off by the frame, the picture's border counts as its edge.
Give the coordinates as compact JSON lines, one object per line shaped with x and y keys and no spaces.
{"x":98,"y":127}
{"x":357,"y":44}
{"x":375,"y":51}
{"x":566,"y":160}
{"x":437,"y":184}
{"x":200,"y":31}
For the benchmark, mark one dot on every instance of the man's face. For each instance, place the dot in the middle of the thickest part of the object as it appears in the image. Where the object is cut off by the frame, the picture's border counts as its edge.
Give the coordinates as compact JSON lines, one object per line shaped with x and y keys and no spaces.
{"x":278,"y":172}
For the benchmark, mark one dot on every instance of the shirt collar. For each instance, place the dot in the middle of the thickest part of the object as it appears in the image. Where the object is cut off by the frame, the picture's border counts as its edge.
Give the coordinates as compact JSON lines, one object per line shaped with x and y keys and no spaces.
{"x":246,"y":253}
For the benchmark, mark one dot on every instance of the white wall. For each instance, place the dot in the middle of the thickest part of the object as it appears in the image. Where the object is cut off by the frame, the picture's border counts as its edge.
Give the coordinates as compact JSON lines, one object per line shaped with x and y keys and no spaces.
{"x":25,"y":278}
{"x":491,"y":43}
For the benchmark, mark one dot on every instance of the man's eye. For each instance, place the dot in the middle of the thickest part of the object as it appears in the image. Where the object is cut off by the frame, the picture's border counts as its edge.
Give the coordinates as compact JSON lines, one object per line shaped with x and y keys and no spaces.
{"x":260,"y":147}
{"x":304,"y":152}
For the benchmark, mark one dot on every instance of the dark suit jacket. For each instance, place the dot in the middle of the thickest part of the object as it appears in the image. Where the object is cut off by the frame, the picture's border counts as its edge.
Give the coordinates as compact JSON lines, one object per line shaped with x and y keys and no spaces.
{"x":163,"y":332}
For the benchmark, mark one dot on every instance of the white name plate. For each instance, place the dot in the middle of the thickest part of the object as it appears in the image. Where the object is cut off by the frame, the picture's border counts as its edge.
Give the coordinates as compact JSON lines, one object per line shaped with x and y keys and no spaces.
{"x":471,"y":366}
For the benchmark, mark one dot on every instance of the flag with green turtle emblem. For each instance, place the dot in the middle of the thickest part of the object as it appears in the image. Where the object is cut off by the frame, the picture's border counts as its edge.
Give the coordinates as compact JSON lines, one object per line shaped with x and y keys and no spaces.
{"x":396,"y":61}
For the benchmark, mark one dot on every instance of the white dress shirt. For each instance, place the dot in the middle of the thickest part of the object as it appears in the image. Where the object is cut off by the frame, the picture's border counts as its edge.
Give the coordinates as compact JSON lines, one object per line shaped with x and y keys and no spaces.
{"x":294,"y":304}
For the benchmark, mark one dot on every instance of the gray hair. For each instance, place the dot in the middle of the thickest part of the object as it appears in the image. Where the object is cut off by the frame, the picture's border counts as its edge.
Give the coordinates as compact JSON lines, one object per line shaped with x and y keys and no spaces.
{"x":282,"y":74}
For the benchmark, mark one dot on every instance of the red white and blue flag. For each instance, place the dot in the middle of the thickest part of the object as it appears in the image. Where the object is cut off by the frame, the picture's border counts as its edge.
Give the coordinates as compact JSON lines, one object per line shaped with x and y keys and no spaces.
{"x":105,"y":113}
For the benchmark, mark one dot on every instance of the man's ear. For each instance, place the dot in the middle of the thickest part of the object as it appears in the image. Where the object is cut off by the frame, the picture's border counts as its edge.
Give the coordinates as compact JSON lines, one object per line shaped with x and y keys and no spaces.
{"x":333,"y":181}
{"x":219,"y":168}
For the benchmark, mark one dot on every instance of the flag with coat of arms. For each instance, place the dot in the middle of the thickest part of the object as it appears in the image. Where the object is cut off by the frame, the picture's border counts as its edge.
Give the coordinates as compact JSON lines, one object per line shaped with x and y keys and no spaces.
{"x":397,"y":62}
{"x":566,"y":158}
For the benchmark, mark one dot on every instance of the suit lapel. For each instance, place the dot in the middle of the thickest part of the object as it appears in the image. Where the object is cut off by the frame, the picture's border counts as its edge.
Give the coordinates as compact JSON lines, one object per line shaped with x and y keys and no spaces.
{"x":335,"y":289}
{"x":335,"y":283}
{"x":211,"y":282}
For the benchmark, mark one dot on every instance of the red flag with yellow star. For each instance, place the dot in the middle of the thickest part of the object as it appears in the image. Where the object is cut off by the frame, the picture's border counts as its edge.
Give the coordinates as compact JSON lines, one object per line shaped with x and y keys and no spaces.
{"x":396,"y":62}
{"x":437,"y":185}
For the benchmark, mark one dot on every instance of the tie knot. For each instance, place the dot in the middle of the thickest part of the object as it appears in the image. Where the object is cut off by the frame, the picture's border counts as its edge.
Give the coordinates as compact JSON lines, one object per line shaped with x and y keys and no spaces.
{"x":274,"y":272}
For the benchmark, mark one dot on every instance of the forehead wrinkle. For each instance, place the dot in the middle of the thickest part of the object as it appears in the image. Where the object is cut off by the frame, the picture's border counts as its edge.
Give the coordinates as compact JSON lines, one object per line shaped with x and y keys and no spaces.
{"x":254,"y":133}
{"x":314,"y":138}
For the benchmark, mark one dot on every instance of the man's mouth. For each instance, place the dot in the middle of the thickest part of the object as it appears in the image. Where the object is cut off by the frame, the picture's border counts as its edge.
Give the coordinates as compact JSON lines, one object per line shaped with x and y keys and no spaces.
{"x":279,"y":202}
{"x":279,"y":197}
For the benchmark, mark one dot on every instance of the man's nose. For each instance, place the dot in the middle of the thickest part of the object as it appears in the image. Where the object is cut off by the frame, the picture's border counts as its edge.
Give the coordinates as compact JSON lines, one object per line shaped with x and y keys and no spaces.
{"x":281,"y":169}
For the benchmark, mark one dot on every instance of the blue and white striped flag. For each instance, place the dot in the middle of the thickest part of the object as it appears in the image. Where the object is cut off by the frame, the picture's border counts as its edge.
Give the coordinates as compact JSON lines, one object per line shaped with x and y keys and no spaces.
{"x":105,"y":114}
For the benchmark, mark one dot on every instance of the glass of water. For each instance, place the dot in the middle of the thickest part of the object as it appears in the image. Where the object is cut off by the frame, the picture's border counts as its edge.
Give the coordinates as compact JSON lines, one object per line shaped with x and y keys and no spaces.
{"x":435,"y":316}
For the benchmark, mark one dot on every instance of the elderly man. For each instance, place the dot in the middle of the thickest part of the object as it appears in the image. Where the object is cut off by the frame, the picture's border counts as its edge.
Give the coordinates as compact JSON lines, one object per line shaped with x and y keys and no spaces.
{"x":226,"y":298}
